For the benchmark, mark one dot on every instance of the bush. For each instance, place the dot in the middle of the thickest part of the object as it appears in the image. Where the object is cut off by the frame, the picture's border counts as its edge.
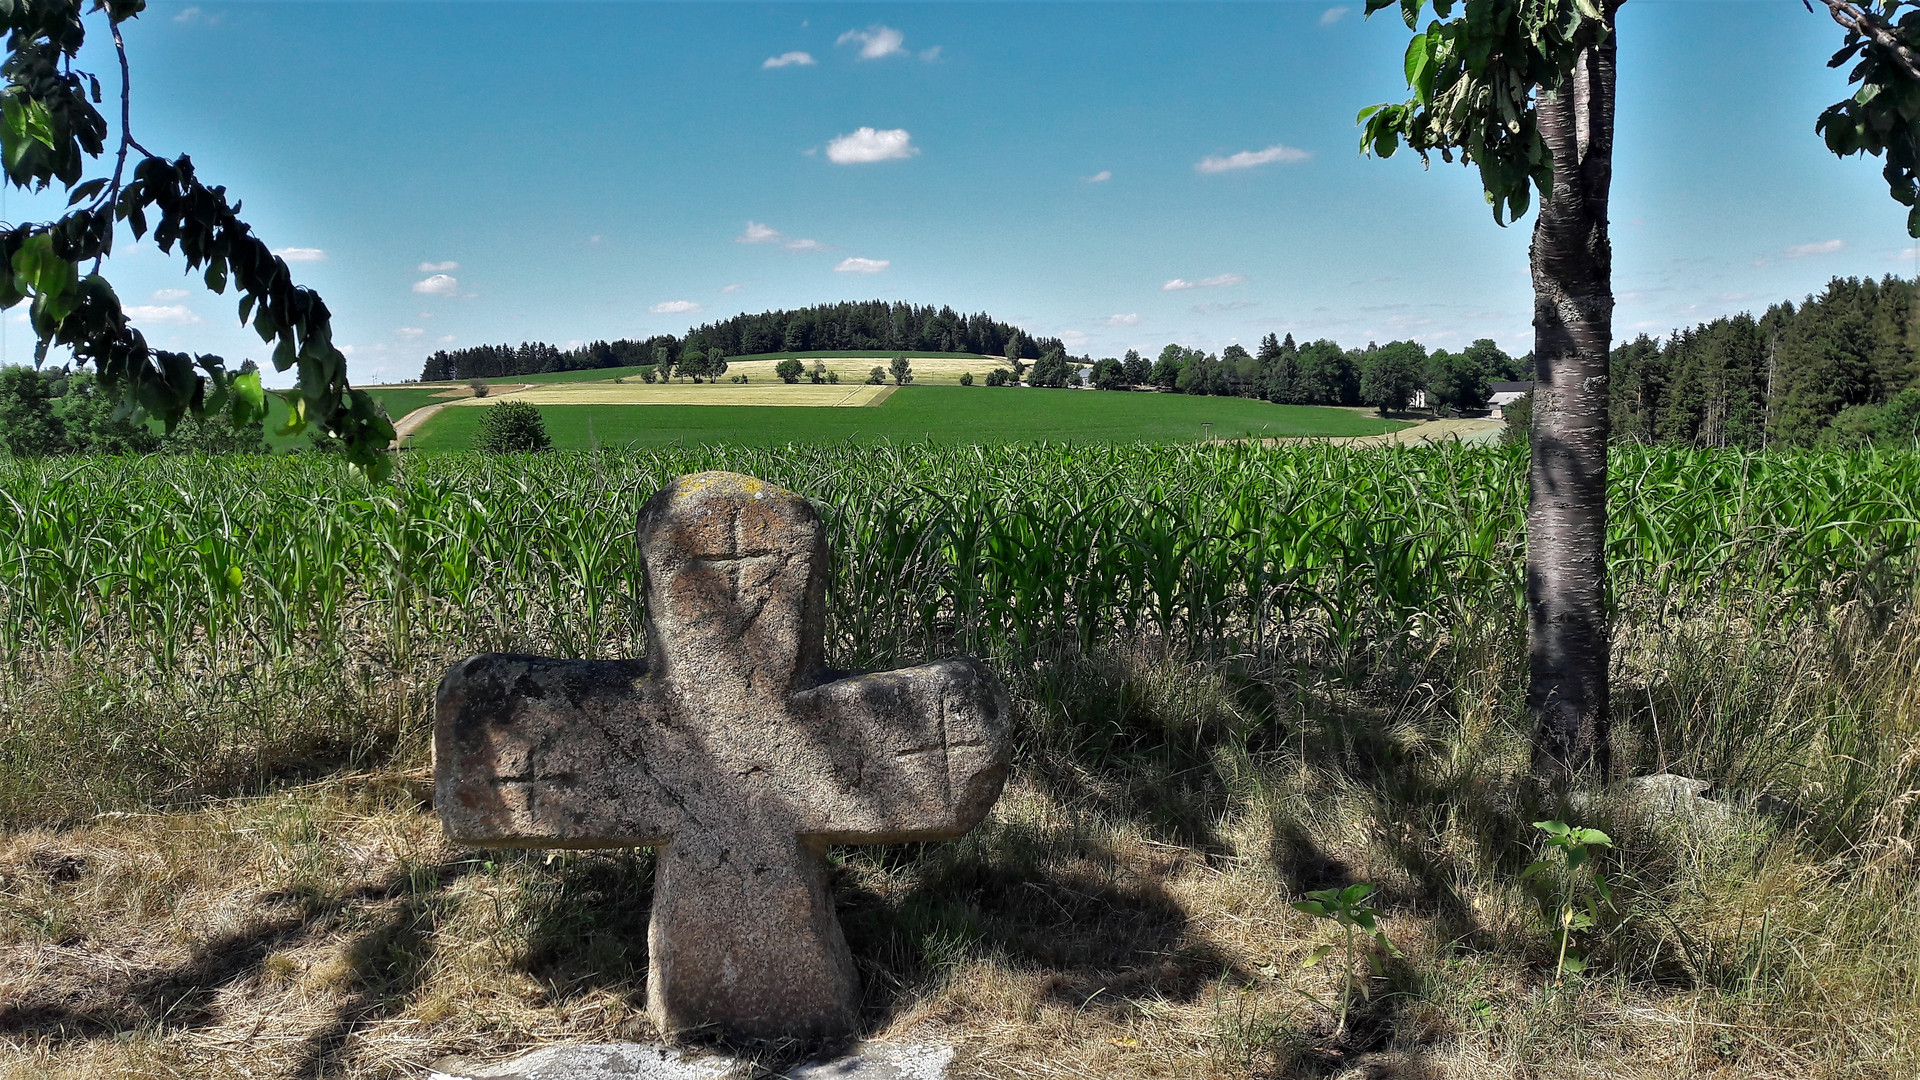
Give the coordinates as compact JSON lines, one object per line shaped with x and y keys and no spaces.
{"x":479,"y":387}
{"x":966,"y":378}
{"x":789,"y":370}
{"x":1518,"y":414}
{"x":512,"y":427}
{"x":877,"y":377}
{"x":998,"y":377}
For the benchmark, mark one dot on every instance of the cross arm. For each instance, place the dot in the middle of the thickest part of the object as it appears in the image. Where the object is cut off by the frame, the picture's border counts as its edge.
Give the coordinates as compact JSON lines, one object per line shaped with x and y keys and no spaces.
{"x":531,"y":752}
{"x":910,"y":755}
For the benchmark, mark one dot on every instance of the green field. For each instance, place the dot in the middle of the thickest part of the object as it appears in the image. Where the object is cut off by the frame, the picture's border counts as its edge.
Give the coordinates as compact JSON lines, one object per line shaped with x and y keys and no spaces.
{"x":939,"y":413}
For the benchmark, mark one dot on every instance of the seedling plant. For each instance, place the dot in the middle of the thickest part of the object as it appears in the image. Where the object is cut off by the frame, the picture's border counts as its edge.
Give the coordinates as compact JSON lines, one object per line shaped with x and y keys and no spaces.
{"x":1580,"y":896}
{"x":1348,"y":908}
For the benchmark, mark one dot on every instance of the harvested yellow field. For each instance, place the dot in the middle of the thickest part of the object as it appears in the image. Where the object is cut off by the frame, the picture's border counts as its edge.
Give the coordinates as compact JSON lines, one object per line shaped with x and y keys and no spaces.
{"x":928,"y":370}
{"x":771,"y":391}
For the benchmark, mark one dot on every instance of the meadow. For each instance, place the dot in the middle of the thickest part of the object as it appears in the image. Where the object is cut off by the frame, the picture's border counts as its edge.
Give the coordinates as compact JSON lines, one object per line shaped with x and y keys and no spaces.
{"x":1240,"y":673}
{"x":939,"y":414}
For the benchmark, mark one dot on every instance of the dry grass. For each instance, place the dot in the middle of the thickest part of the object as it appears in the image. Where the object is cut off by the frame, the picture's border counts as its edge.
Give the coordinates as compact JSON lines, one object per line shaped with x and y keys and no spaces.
{"x":1126,"y":912}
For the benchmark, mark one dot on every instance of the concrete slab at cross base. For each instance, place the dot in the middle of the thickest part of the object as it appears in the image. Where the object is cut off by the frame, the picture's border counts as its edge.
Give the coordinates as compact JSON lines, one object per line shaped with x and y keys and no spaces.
{"x":636,"y":1061}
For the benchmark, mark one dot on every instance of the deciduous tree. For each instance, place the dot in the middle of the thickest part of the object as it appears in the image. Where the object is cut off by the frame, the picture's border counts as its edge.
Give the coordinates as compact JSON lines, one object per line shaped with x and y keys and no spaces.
{"x":51,"y":132}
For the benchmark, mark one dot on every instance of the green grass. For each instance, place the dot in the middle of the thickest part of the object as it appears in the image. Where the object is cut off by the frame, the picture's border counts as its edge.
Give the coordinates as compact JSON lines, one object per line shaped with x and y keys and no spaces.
{"x":947,"y":414}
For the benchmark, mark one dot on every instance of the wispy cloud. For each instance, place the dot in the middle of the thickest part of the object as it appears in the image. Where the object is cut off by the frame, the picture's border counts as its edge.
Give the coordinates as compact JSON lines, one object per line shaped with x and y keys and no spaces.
{"x":438,"y":267}
{"x":675,"y":307}
{"x":858,"y":265}
{"x":1100,"y":177}
{"x":301,"y":254}
{"x":1332,"y":15}
{"x":1218,"y":281}
{"x":1806,"y":251}
{"x":170,"y":314}
{"x":728,"y":290}
{"x":1248,"y":159}
{"x":757,"y":233}
{"x":930,"y":55}
{"x":867,"y":145}
{"x":1129,"y":319}
{"x":410,"y":333}
{"x":790,"y":59}
{"x":1232,"y":305}
{"x":875,"y":41}
{"x":168,"y":296}
{"x":190,"y":14}
{"x":438,"y":285}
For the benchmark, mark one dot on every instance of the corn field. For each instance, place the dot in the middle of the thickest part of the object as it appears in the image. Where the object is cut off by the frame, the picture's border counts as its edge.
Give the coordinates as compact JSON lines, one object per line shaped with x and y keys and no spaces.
{"x":181,"y":584}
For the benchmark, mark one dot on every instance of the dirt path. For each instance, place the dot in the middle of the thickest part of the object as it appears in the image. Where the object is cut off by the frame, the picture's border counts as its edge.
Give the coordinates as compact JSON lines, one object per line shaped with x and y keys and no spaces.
{"x":1429,"y":433}
{"x":404,"y":427}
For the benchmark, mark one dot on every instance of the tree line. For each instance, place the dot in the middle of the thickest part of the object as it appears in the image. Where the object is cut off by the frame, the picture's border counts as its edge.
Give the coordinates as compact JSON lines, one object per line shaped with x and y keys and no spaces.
{"x":1839,"y":368}
{"x":856,"y":325}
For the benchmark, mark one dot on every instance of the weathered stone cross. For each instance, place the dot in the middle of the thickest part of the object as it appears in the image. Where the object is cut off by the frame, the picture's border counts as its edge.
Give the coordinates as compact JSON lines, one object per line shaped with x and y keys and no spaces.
{"x":730,"y":750}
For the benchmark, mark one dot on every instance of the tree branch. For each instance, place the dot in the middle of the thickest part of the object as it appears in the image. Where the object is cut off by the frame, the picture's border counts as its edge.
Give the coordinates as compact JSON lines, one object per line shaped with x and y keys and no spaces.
{"x":1863,"y":21}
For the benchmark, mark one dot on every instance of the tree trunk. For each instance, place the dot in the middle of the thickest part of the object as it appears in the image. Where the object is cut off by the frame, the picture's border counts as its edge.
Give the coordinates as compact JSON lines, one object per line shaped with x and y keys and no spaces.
{"x":1572,"y":263}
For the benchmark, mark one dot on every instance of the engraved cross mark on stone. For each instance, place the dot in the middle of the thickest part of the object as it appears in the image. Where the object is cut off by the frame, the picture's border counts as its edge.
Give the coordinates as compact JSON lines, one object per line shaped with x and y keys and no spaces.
{"x":732,"y":751}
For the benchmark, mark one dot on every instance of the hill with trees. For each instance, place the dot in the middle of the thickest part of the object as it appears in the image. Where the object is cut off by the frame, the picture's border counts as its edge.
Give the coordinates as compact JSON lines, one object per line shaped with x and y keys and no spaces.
{"x":878,"y":325}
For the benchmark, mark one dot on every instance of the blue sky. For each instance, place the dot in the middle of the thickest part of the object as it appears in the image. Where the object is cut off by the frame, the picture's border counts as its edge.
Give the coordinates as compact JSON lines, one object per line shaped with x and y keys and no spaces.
{"x":1119,"y":175}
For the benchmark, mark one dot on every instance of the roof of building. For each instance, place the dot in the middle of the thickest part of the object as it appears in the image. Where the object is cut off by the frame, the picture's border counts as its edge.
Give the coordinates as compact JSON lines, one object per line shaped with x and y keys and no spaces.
{"x":1512,"y":387}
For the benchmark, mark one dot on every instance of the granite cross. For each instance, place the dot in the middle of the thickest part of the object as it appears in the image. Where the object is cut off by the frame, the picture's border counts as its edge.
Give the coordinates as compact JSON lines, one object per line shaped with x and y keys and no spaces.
{"x":732,"y":751}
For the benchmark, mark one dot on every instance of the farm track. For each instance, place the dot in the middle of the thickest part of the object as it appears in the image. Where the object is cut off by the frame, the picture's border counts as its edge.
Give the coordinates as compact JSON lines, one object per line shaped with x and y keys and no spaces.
{"x":410,"y":423}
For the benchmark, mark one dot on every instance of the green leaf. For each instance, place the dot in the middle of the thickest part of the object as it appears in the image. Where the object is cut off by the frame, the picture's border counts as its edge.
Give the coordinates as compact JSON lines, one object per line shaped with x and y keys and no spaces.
{"x":1355,"y":893}
{"x":1592,"y":838}
{"x":1410,"y":11}
{"x":296,"y":413}
{"x":1552,"y":828}
{"x":1316,"y":956}
{"x":1311,"y":907}
{"x":248,"y":405}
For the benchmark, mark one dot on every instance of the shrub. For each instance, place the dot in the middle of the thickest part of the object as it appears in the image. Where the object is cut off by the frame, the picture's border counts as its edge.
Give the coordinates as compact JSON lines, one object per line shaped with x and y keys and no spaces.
{"x":1519,"y":416}
{"x":997,"y":377}
{"x":877,"y":377}
{"x":966,"y":378}
{"x":479,"y":387}
{"x":511,"y":427}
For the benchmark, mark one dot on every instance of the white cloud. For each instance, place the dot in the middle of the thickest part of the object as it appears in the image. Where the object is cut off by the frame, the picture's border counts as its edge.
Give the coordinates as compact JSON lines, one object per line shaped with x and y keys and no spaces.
{"x":766,"y":234}
{"x":594,"y":239}
{"x":758,"y":234}
{"x":187,"y":15}
{"x":168,"y":296}
{"x":930,"y":55}
{"x":868,"y":145}
{"x":410,"y":332}
{"x":1247,"y":159}
{"x":438,"y":267}
{"x":438,"y":285}
{"x":1824,"y":247}
{"x":1235,"y":305}
{"x":301,"y":255}
{"x":1129,"y":319}
{"x":173,"y":314}
{"x":863,"y":266}
{"x":1332,"y":15}
{"x":1218,"y":281}
{"x":1100,"y":177}
{"x":1073,"y":339}
{"x":875,"y":41}
{"x":675,"y":307}
{"x":729,"y":290}
{"x":789,"y":59}
{"x":445,"y":339}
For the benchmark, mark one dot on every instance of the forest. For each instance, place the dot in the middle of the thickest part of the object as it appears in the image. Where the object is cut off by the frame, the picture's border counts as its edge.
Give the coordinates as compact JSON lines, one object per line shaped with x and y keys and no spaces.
{"x":869,"y":324}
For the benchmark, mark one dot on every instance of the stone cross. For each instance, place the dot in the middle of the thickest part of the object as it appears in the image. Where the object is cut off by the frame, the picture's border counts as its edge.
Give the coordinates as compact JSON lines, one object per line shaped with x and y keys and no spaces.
{"x":732,"y":751}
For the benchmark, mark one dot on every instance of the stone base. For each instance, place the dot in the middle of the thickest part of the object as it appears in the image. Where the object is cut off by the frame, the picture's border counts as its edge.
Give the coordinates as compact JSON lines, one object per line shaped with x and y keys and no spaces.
{"x":638,"y":1061}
